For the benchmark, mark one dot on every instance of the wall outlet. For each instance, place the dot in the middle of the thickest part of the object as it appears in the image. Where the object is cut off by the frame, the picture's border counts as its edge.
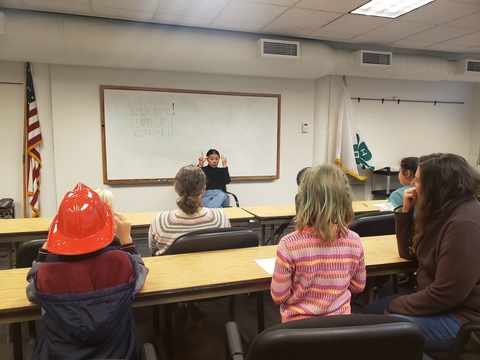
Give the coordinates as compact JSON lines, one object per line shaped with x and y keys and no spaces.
{"x":304,"y":128}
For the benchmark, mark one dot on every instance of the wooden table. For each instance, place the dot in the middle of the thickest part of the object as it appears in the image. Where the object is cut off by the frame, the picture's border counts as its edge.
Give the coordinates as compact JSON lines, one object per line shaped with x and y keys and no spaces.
{"x":20,"y":230}
{"x":203,"y":275}
{"x":186,"y":277}
{"x":281,"y":214}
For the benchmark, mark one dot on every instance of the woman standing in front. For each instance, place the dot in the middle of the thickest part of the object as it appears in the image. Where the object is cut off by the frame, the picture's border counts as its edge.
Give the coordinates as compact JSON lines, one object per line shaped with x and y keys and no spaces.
{"x":444,"y":235}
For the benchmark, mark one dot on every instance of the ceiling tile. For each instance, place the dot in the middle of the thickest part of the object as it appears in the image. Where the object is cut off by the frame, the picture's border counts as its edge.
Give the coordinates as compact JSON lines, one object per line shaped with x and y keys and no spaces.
{"x":338,"y":6}
{"x":475,"y":49}
{"x":440,"y":33}
{"x":78,"y":7}
{"x":470,"y":40}
{"x":193,"y":8}
{"x":236,"y":25}
{"x":446,"y":47}
{"x":290,"y":31}
{"x":182,"y":20}
{"x":123,"y":13}
{"x":138,"y":5}
{"x":440,"y":11}
{"x":250,"y":12}
{"x":475,"y":2}
{"x":303,"y":19}
{"x":372,"y":40}
{"x":15,"y":4}
{"x":273,"y":2}
{"x":329,"y":35}
{"x":411,"y":44}
{"x":399,"y":29}
{"x":355,"y":24}
{"x":471,"y":21}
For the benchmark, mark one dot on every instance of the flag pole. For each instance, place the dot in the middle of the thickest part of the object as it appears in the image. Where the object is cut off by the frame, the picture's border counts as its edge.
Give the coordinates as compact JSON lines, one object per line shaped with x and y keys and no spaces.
{"x":24,"y":155}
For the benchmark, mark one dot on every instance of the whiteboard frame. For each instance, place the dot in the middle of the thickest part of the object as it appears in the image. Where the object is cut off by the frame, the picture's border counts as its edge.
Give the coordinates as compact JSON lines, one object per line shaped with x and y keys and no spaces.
{"x":109,"y":181}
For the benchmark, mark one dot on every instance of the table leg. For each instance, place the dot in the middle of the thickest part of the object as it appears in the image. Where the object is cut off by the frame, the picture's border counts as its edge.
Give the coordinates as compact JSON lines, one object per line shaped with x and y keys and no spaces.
{"x":16,"y":338}
{"x":260,"y":312}
{"x":263,"y":235}
{"x":167,"y":313}
{"x":10,"y":255}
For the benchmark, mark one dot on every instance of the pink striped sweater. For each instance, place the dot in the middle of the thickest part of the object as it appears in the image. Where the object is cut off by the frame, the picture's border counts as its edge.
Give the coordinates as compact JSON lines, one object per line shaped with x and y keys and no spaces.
{"x":313,"y":277}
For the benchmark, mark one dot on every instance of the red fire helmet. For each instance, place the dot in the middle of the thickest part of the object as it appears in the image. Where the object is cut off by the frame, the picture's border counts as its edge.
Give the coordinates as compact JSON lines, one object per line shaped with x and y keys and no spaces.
{"x":83,"y":224}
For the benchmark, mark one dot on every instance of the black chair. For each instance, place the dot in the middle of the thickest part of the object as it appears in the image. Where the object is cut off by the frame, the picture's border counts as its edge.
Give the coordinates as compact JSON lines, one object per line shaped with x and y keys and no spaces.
{"x":208,"y":240}
{"x":465,"y":347}
{"x":356,"y":336}
{"x":235,"y":198}
{"x":24,"y":256}
{"x":376,"y":224}
{"x":213,"y":239}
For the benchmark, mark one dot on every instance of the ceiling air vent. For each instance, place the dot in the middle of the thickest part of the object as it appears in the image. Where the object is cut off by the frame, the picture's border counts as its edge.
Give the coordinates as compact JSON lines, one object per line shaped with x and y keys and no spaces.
{"x":278,"y":50}
{"x":378,"y":59}
{"x":468,"y":67}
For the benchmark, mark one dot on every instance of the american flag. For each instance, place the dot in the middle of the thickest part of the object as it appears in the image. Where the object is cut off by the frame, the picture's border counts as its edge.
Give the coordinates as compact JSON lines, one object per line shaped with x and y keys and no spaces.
{"x":34,"y":139}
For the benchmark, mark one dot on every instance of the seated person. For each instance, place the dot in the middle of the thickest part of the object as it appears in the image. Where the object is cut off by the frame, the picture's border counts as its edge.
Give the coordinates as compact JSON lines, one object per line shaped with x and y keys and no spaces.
{"x":106,"y":196}
{"x":439,"y":225}
{"x":406,"y":174}
{"x":168,"y":225}
{"x":215,"y":195}
{"x":320,"y":265}
{"x":84,"y":286}
{"x":279,"y":232}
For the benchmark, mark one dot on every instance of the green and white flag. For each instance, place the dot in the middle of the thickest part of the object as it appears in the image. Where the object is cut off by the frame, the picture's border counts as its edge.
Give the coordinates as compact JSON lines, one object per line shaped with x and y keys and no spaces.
{"x":352,"y":153}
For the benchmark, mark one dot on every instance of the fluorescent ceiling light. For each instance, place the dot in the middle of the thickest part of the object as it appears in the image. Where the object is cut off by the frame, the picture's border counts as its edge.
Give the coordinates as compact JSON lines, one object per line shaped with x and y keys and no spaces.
{"x":389,"y":8}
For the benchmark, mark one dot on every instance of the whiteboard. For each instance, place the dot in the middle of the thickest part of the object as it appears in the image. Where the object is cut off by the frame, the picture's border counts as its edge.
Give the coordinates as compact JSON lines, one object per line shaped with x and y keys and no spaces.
{"x":149,"y":134}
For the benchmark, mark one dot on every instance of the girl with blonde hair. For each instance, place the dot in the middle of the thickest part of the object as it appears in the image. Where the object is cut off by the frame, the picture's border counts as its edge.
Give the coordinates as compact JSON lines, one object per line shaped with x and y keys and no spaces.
{"x":320,"y":265}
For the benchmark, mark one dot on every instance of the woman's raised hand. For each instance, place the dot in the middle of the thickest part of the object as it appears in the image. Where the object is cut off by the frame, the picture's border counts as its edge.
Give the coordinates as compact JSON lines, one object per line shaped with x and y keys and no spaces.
{"x":410,"y":197}
{"x":224,"y":161}
{"x":201,"y":159}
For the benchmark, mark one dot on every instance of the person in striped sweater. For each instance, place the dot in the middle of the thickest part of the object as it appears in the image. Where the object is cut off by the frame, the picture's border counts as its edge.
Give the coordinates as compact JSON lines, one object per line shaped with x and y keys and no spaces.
{"x":320,"y":265}
{"x":190,"y":183}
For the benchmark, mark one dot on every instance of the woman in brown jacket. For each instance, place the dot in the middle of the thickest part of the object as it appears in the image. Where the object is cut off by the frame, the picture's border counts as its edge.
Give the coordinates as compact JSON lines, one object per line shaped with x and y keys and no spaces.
{"x":444,"y":236}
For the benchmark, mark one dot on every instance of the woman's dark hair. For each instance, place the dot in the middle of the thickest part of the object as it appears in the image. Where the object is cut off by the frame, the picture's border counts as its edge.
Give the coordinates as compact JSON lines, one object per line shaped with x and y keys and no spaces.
{"x":212,"y":151}
{"x":443,"y":177}
{"x":189,"y":182}
{"x":300,"y":174}
{"x":409,"y":163}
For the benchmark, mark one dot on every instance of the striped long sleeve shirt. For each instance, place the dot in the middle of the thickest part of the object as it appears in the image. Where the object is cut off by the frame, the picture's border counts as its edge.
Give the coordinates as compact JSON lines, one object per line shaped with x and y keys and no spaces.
{"x":169,"y":225}
{"x":313,"y":277}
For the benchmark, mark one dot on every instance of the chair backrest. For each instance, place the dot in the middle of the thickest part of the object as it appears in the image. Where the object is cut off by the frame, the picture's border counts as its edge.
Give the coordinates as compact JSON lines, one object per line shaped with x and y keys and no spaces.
{"x":27,"y":252}
{"x":356,"y":336}
{"x":381,"y":223}
{"x":213,"y":239}
{"x":235,"y":198}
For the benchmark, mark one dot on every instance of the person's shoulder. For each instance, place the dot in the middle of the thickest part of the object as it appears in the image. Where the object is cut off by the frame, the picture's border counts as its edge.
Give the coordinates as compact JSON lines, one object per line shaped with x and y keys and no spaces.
{"x":352,"y":235}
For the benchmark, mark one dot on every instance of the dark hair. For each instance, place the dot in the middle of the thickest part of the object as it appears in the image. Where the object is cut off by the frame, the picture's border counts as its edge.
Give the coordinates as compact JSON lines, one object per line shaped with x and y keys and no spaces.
{"x":409,"y":163}
{"x":189,"y":182}
{"x":300,"y":174}
{"x":212,"y":151}
{"x":443,"y":177}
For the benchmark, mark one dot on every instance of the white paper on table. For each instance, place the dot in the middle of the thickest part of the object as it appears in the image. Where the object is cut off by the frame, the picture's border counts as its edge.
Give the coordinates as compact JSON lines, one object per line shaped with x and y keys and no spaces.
{"x":379,"y":205}
{"x":266,"y":264}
